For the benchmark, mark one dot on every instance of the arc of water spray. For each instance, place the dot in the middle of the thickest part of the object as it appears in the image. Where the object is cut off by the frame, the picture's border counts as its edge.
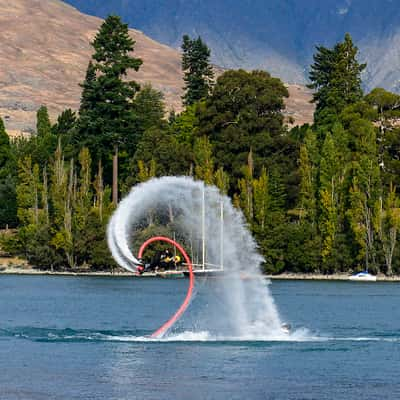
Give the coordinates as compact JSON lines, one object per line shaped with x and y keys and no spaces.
{"x":251,"y":311}
{"x":167,"y":325}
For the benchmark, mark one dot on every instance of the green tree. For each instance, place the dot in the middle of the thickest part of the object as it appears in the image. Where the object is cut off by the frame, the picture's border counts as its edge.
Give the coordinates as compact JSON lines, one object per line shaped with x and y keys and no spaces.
{"x":261,"y":199}
{"x":387,"y":224}
{"x":387,"y":106}
{"x":244,"y":112}
{"x":8,"y":206}
{"x":5,"y":150}
{"x":221,"y":180}
{"x":204,"y":163}
{"x":146,"y":172}
{"x":328,"y":222}
{"x":43,"y":124}
{"x":61,"y":196}
{"x":364,"y":193}
{"x":65,"y":123}
{"x":28,"y":199}
{"x":336,"y":79}
{"x":149,"y":108}
{"x":198,"y":73}
{"x":245,"y":186}
{"x":45,"y":142}
{"x":161,"y":145}
{"x":184,"y":125}
{"x":106,"y":118}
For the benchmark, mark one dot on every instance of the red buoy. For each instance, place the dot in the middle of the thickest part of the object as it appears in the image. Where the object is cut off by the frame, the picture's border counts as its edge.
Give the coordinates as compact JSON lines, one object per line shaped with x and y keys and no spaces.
{"x":160,"y":331}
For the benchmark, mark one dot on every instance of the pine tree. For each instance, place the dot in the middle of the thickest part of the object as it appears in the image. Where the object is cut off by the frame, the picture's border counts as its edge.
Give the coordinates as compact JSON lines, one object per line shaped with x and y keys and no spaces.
{"x":106,"y":119}
{"x":336,"y":79}
{"x":277,"y":191}
{"x":45,"y":140}
{"x":112,"y":61}
{"x":148,"y":111}
{"x":89,"y":95}
{"x":198,"y":73}
{"x":5,"y":150}
{"x":8,"y":206}
{"x":43,"y":125}
{"x":65,"y":123}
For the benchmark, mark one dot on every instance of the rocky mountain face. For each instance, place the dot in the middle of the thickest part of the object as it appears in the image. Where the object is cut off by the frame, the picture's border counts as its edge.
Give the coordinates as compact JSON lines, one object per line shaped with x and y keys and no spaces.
{"x":44,"y":52}
{"x":277,"y":35}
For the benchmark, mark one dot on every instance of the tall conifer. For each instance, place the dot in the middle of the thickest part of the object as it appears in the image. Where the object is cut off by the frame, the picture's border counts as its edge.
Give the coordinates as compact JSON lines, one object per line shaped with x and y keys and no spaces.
{"x":198,"y":72}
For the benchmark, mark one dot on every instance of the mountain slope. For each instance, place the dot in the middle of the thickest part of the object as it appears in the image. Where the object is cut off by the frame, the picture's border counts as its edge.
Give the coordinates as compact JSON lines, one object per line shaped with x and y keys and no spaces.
{"x":277,"y":35}
{"x":44,"y":52}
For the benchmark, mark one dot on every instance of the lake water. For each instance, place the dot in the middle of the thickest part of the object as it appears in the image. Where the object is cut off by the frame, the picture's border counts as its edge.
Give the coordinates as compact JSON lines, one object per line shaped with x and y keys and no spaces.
{"x":83,"y":338}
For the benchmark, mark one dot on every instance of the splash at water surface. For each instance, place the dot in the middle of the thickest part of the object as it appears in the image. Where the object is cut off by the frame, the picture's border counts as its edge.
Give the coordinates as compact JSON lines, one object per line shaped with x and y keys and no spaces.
{"x":192,"y":211}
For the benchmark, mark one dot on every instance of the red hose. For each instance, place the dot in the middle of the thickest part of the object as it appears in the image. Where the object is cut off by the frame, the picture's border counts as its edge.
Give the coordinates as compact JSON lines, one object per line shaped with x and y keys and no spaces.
{"x":160,"y":331}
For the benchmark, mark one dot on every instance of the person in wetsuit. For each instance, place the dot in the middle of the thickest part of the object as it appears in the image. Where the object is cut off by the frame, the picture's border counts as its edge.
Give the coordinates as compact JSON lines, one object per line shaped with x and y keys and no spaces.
{"x":167,"y":260}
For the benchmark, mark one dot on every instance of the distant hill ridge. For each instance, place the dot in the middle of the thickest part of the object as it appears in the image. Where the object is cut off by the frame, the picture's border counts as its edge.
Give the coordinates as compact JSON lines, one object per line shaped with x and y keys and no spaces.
{"x":276,"y":35}
{"x":44,"y":52}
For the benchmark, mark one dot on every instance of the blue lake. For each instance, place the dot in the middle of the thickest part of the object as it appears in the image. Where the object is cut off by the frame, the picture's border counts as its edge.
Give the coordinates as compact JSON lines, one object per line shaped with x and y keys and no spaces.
{"x":77,"y":338}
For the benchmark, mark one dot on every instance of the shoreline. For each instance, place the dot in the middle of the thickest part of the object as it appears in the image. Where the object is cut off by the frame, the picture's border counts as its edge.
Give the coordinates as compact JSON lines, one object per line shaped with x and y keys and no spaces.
{"x":23,"y":270}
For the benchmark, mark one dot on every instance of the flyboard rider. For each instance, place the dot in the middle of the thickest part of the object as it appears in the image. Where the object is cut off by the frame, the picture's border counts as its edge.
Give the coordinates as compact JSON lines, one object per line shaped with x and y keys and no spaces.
{"x":164,"y":260}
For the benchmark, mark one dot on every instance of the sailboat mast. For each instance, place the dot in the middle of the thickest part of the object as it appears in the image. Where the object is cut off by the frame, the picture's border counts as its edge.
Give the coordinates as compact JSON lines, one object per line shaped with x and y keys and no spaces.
{"x":203,"y":226}
{"x":222,"y":234}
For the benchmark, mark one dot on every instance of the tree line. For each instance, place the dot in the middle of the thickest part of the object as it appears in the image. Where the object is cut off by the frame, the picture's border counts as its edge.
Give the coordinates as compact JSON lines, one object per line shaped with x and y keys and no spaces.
{"x":317,"y":198}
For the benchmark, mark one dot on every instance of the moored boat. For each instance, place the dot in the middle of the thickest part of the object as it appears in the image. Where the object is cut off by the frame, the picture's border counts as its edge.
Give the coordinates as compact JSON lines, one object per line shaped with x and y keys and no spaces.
{"x":363,"y":276}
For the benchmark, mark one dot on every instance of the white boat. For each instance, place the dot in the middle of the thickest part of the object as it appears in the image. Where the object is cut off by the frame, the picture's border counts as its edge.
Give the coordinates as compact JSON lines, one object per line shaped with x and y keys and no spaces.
{"x":363,"y":276}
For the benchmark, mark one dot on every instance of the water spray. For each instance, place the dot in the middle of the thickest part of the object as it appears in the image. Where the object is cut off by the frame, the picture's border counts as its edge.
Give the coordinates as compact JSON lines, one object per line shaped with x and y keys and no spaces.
{"x":203,"y":220}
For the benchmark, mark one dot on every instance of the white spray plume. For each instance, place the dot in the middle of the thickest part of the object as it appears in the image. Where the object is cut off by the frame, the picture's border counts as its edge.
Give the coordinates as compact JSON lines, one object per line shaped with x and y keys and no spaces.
{"x":251,"y":309}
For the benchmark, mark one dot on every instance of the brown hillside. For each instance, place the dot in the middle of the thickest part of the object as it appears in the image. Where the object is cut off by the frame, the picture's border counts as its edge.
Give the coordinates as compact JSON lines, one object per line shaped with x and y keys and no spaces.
{"x":44,"y":52}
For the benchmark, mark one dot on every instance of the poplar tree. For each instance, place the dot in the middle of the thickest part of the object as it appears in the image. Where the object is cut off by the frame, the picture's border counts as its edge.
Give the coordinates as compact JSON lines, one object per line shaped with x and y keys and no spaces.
{"x":245,"y":186}
{"x":204,"y":164}
{"x":221,"y":180}
{"x":261,"y":199}
{"x":308,"y":170}
{"x":146,"y":172}
{"x":61,"y":203}
{"x":328,"y":223}
{"x":387,"y":224}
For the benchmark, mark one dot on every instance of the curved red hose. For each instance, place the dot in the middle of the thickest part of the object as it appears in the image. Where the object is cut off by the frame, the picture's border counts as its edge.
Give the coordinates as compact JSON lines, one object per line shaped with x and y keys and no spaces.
{"x":160,"y":331}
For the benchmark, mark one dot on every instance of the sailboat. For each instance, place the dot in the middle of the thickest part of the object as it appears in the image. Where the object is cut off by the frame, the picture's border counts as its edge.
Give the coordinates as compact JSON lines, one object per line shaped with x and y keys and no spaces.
{"x":205,"y":268}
